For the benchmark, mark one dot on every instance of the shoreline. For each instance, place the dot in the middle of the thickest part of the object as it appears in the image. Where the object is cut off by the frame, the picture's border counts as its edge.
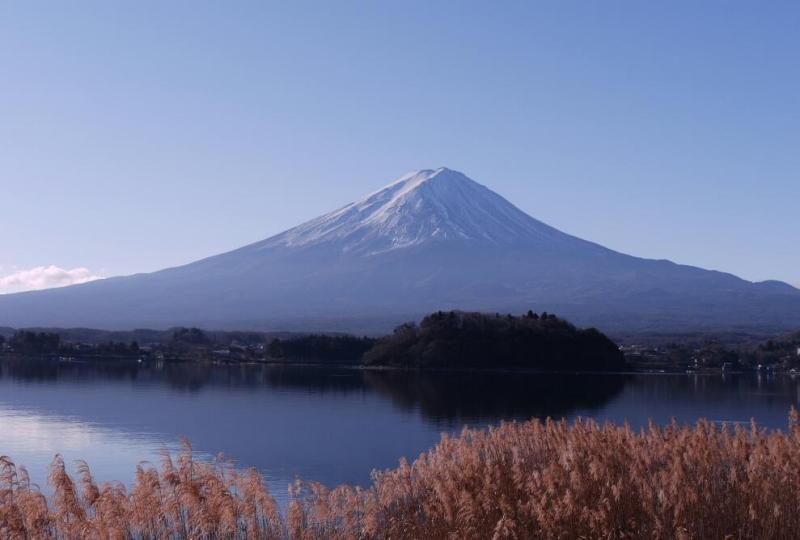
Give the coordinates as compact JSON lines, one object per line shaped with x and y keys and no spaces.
{"x":633,"y":370}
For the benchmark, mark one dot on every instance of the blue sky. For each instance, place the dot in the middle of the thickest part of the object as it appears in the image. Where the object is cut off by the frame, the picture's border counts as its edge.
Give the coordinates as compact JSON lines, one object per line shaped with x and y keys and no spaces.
{"x":139,"y":135}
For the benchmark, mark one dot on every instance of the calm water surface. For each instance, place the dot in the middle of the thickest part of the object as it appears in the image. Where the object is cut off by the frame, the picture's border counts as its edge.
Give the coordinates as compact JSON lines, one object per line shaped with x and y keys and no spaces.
{"x":325,"y":424}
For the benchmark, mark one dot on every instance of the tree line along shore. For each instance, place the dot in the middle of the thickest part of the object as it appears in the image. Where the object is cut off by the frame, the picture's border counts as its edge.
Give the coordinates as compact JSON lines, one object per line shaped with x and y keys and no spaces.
{"x":441,"y":340}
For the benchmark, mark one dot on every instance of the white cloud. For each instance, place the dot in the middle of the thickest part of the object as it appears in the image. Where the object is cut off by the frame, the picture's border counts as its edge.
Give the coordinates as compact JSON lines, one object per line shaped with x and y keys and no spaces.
{"x":44,"y":277}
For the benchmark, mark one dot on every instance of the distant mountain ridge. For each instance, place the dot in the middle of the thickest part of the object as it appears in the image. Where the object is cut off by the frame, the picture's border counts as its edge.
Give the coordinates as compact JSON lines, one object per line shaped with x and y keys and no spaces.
{"x":430,"y":240}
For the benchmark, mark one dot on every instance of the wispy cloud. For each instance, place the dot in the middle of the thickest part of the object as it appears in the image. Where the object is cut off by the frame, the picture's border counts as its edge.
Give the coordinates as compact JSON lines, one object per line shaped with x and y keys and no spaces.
{"x":44,"y":277}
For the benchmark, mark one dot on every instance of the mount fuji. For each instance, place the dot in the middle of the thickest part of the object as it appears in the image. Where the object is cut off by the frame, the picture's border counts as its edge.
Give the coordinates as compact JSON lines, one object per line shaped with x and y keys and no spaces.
{"x":432,"y":239}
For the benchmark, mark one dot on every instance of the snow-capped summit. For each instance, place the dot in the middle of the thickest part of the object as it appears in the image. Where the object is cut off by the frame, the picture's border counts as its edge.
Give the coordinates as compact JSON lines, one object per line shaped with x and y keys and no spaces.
{"x":432,"y":239}
{"x":421,"y":206}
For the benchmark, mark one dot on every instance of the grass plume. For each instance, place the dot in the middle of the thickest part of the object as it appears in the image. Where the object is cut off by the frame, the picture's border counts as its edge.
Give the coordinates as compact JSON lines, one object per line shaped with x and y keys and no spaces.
{"x":517,"y":480}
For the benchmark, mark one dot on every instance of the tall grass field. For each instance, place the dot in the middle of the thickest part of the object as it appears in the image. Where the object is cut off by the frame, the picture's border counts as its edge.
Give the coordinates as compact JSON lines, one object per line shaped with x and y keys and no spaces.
{"x":518,"y":480}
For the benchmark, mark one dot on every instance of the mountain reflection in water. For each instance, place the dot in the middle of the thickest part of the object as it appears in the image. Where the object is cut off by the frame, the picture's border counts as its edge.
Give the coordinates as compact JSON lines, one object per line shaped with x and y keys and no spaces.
{"x":449,"y":397}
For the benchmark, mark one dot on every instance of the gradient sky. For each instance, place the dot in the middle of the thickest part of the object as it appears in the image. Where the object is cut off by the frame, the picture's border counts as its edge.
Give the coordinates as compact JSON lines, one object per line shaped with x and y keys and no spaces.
{"x":140,"y":135}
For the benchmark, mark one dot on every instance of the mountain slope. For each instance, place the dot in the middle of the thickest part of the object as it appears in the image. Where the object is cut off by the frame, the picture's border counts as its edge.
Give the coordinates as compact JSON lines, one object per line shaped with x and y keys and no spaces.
{"x":433,"y":239}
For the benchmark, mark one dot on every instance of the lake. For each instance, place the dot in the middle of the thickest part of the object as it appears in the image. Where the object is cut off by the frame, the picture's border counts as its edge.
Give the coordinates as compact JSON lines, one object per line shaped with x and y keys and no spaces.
{"x":331,"y":425}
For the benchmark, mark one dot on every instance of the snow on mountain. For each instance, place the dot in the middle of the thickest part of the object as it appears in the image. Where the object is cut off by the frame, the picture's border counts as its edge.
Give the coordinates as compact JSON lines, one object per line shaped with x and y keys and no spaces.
{"x":419,"y":207}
